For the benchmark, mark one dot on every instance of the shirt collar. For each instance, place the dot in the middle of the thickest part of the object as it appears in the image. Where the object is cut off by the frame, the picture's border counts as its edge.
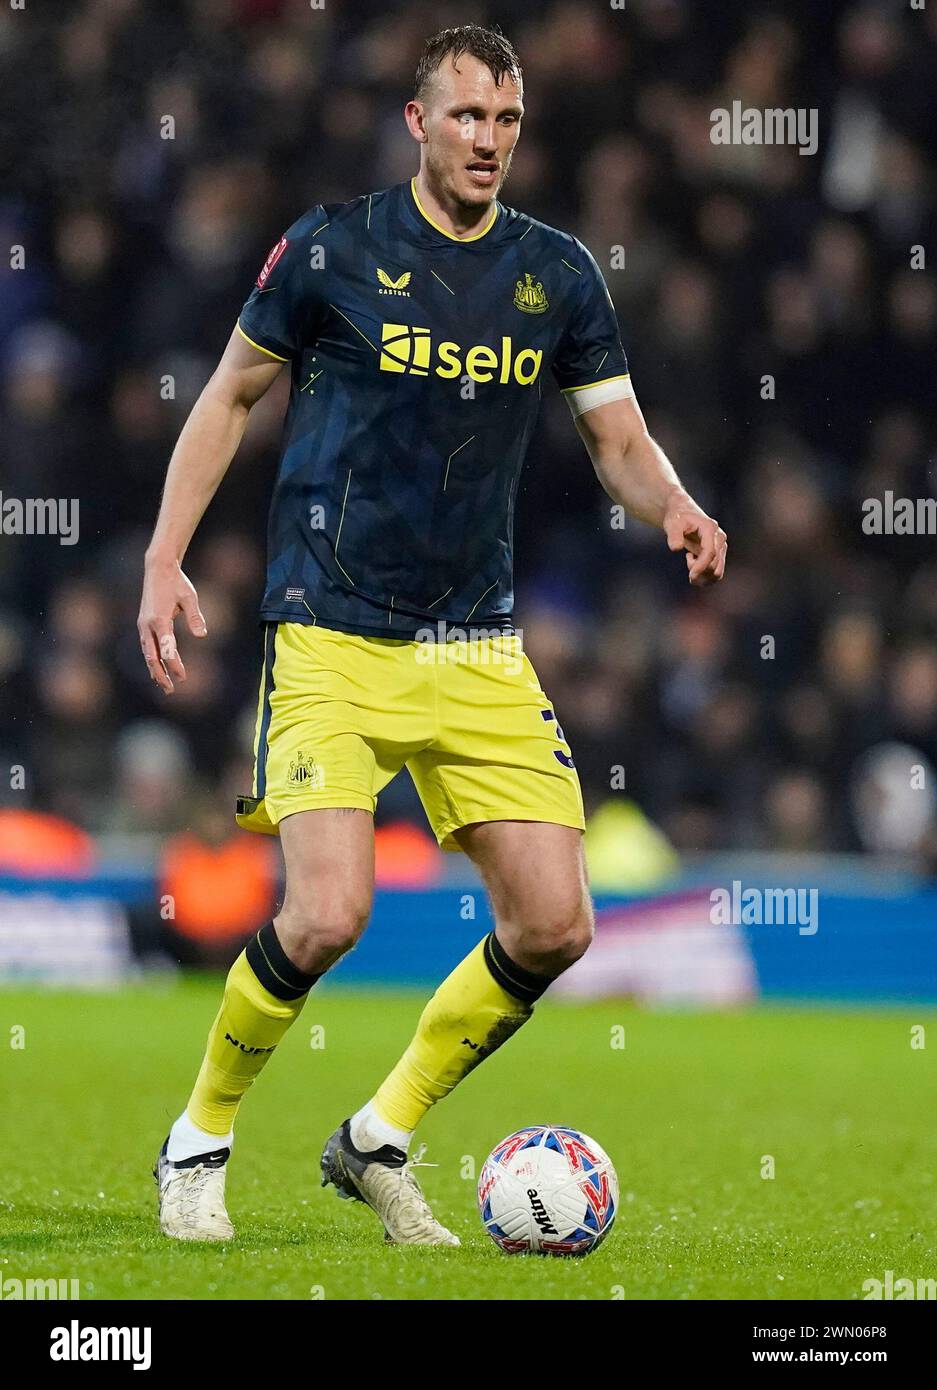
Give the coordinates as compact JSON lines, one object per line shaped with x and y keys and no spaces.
{"x":459,"y":240}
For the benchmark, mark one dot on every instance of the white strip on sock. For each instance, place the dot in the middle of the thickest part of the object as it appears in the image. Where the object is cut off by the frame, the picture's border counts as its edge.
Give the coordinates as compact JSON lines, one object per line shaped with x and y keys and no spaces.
{"x":369,"y":1131}
{"x":186,"y":1140}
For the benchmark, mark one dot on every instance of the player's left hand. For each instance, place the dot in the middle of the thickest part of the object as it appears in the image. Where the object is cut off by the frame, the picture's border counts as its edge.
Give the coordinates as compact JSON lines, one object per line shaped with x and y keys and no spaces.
{"x":687,"y":527}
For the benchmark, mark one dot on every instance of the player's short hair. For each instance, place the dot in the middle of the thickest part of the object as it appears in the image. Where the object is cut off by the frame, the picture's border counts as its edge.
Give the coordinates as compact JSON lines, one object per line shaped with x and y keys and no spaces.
{"x":489,"y":46}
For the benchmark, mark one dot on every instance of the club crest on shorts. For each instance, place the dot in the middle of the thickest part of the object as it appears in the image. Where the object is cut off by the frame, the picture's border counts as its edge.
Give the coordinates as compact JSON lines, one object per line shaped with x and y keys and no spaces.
{"x":304,"y":773}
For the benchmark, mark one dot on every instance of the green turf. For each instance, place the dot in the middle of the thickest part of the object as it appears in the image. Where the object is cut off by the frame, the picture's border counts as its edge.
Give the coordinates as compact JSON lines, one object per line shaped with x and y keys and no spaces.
{"x":687,"y":1110}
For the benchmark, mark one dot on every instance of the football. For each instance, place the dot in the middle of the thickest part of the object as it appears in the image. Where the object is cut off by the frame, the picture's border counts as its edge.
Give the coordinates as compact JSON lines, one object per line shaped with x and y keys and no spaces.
{"x":548,"y":1190}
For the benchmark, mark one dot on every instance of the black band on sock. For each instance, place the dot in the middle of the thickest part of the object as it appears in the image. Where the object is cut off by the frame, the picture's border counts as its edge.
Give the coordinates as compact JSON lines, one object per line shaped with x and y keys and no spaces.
{"x":273,"y":967}
{"x":513,"y":978}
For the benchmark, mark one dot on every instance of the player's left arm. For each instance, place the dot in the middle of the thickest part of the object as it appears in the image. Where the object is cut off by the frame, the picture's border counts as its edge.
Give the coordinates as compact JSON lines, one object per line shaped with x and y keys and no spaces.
{"x":591,"y":370}
{"x":636,"y":473}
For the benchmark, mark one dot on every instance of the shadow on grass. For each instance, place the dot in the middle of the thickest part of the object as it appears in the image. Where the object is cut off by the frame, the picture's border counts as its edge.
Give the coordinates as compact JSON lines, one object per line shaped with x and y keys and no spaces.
{"x":30,"y":1229}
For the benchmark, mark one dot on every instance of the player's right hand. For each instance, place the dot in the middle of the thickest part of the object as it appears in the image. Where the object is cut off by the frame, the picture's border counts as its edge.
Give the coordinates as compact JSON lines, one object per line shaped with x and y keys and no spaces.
{"x":166,"y":592}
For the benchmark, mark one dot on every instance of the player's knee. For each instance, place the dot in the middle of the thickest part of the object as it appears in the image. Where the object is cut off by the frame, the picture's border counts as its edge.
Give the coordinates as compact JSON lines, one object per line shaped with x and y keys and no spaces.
{"x":317,"y":934}
{"x":560,"y":938}
{"x":574,"y":934}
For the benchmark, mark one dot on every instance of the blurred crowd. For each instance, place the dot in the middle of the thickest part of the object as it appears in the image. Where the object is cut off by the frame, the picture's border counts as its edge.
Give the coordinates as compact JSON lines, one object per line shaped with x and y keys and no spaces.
{"x":780,"y":330}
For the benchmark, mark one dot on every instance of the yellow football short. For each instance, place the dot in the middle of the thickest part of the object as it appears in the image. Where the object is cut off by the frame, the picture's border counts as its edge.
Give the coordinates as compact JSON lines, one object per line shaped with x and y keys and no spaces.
{"x":339,"y":715}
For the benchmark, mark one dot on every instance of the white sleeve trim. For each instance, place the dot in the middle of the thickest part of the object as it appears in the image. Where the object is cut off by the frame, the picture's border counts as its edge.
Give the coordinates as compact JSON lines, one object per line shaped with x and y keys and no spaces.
{"x":583,"y":398}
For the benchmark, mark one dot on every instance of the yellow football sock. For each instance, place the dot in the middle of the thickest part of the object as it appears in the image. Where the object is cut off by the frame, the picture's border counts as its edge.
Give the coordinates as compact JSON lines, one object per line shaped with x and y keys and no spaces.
{"x":264,"y":993}
{"x":475,"y":1009}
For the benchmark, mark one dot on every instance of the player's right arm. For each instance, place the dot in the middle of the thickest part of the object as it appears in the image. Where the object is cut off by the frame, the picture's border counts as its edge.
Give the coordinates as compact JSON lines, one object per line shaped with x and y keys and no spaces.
{"x":202,"y":455}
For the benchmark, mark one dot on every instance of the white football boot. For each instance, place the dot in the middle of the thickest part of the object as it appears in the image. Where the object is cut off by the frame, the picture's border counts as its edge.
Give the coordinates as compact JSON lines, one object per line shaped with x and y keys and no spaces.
{"x":191,"y":1196}
{"x":383,"y":1179}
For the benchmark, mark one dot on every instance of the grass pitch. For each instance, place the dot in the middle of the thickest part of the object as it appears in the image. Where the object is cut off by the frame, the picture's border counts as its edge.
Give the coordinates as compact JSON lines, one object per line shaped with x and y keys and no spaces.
{"x":690,"y":1109}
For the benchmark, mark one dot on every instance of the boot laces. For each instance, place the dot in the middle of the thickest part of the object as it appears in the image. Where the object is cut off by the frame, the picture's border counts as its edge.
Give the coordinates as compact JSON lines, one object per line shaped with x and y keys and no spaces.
{"x":417,"y":1161}
{"x":194,"y":1182}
